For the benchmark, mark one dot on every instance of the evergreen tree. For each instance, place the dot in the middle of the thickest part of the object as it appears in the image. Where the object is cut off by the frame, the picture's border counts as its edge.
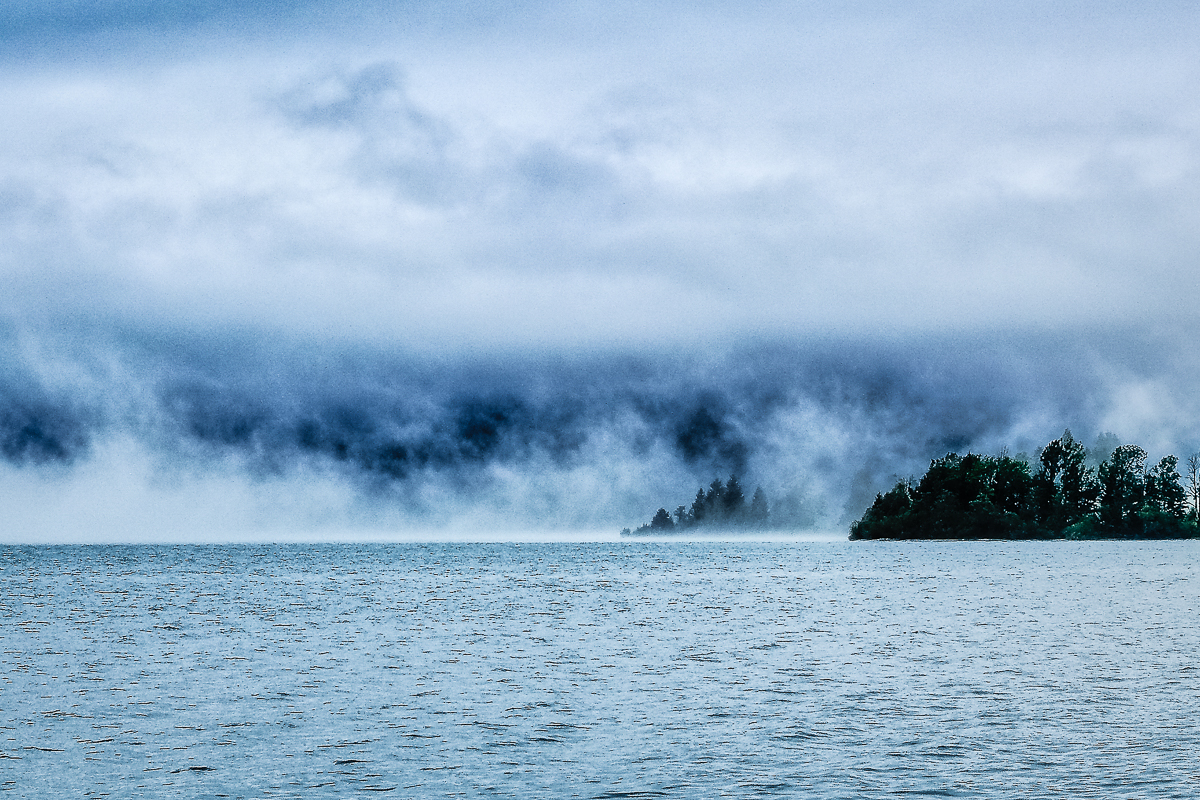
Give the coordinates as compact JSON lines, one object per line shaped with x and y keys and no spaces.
{"x":974,"y":497}
{"x":1167,"y":503}
{"x":1166,"y":506}
{"x":1163,"y":490}
{"x":955,"y":500}
{"x":1065,"y":488}
{"x":734,"y":500}
{"x":714,"y":501}
{"x":759,"y":513}
{"x":682,"y":518}
{"x":662,"y":521}
{"x":887,"y":516}
{"x":1078,"y":488}
{"x":1012,"y":487}
{"x":699,"y":508}
{"x":1122,"y":491}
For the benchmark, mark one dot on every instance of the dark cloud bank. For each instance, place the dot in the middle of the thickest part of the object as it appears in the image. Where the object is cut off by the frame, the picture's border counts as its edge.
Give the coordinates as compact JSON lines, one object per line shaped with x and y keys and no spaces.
{"x":570,"y":441}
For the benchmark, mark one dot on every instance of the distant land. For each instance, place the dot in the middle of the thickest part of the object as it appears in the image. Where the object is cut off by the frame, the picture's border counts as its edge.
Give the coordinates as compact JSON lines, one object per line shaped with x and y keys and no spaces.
{"x":722,"y":507}
{"x":1000,"y":497}
{"x":1060,"y":495}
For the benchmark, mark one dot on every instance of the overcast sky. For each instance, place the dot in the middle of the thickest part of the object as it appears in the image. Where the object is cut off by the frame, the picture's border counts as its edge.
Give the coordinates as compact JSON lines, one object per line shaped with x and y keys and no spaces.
{"x":849,"y":236}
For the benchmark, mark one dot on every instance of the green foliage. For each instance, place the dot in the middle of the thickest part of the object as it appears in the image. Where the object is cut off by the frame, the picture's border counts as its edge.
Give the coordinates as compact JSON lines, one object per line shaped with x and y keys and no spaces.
{"x":1156,"y":523}
{"x":886,"y":517}
{"x":997,"y":497}
{"x":1065,"y":487}
{"x":1163,"y":489}
{"x":1086,"y":528}
{"x":971,"y":496}
{"x":1012,"y":487}
{"x":1123,"y":489}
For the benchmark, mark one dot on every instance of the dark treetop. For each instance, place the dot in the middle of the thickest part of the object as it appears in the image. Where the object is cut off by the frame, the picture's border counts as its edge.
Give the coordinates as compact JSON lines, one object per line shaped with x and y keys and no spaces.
{"x":723,"y":506}
{"x":1061,"y":497}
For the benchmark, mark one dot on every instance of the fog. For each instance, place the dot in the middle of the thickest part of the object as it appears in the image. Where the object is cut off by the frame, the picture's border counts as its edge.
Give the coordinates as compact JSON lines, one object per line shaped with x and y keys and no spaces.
{"x":212,"y":436}
{"x":318,"y":270}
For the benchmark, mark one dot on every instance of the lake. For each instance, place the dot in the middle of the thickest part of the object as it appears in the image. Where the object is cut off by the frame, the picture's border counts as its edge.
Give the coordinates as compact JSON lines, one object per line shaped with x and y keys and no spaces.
{"x":623,"y":669}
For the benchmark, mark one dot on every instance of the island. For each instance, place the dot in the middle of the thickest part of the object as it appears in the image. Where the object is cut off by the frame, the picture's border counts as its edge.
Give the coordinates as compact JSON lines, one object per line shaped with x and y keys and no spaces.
{"x":1000,"y":497}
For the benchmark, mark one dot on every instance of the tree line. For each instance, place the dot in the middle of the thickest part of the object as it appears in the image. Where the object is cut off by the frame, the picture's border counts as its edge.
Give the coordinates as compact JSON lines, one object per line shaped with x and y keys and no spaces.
{"x":1062,"y":496}
{"x":722,"y":506}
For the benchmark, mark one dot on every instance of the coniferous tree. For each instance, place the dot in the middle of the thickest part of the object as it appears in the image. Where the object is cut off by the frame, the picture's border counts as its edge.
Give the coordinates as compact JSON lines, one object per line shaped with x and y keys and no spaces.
{"x":714,"y":501}
{"x":1102,"y":448}
{"x":1012,"y":487}
{"x":723,"y":504}
{"x":699,"y":508}
{"x":1066,"y":489}
{"x":888,"y":516}
{"x":1078,"y":488}
{"x":734,"y":500}
{"x":1163,"y":490}
{"x":1122,"y":491}
{"x":973,"y":497}
{"x":759,"y":512}
{"x":662,"y":521}
{"x":1165,"y":505}
{"x":955,"y":500}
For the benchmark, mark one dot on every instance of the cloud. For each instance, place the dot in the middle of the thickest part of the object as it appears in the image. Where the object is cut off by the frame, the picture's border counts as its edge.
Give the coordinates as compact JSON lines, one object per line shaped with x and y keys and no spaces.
{"x":235,"y":190}
{"x":483,"y":262}
{"x":312,"y":435}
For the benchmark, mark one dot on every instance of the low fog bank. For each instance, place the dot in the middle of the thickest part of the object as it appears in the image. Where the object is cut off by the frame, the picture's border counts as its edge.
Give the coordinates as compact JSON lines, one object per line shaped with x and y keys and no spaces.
{"x":134,"y":435}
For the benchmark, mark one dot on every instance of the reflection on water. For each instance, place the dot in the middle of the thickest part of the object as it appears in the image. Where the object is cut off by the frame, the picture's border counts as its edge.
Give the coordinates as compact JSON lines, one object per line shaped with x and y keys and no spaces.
{"x":624,"y":669}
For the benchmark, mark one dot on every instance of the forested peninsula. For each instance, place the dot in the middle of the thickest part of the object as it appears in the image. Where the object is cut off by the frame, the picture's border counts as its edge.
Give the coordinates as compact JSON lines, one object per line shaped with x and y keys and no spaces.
{"x":999,"y":497}
{"x":723,"y":506}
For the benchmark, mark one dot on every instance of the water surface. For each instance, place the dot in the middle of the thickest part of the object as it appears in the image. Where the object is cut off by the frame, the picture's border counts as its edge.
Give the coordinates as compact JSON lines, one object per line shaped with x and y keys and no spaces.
{"x":612,"y":670}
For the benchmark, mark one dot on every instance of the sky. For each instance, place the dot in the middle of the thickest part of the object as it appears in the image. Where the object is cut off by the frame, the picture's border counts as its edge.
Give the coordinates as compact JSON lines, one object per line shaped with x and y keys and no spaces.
{"x":344,"y":269}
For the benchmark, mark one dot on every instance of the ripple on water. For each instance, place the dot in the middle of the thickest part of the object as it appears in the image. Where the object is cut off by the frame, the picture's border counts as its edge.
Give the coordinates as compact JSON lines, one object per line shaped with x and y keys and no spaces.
{"x":617,"y":670}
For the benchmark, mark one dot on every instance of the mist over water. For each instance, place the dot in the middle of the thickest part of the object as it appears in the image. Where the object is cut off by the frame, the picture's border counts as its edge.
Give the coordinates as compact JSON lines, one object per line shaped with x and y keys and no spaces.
{"x":405,"y":310}
{"x":281,"y":432}
{"x":275,"y":269}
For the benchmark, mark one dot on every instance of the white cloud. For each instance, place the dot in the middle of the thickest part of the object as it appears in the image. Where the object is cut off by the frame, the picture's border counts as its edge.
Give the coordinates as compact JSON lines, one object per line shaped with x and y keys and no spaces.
{"x":474,"y":183}
{"x":839,"y":174}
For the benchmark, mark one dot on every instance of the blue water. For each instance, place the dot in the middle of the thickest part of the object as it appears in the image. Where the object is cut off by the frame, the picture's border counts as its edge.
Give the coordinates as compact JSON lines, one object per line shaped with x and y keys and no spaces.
{"x":614,"y":670}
